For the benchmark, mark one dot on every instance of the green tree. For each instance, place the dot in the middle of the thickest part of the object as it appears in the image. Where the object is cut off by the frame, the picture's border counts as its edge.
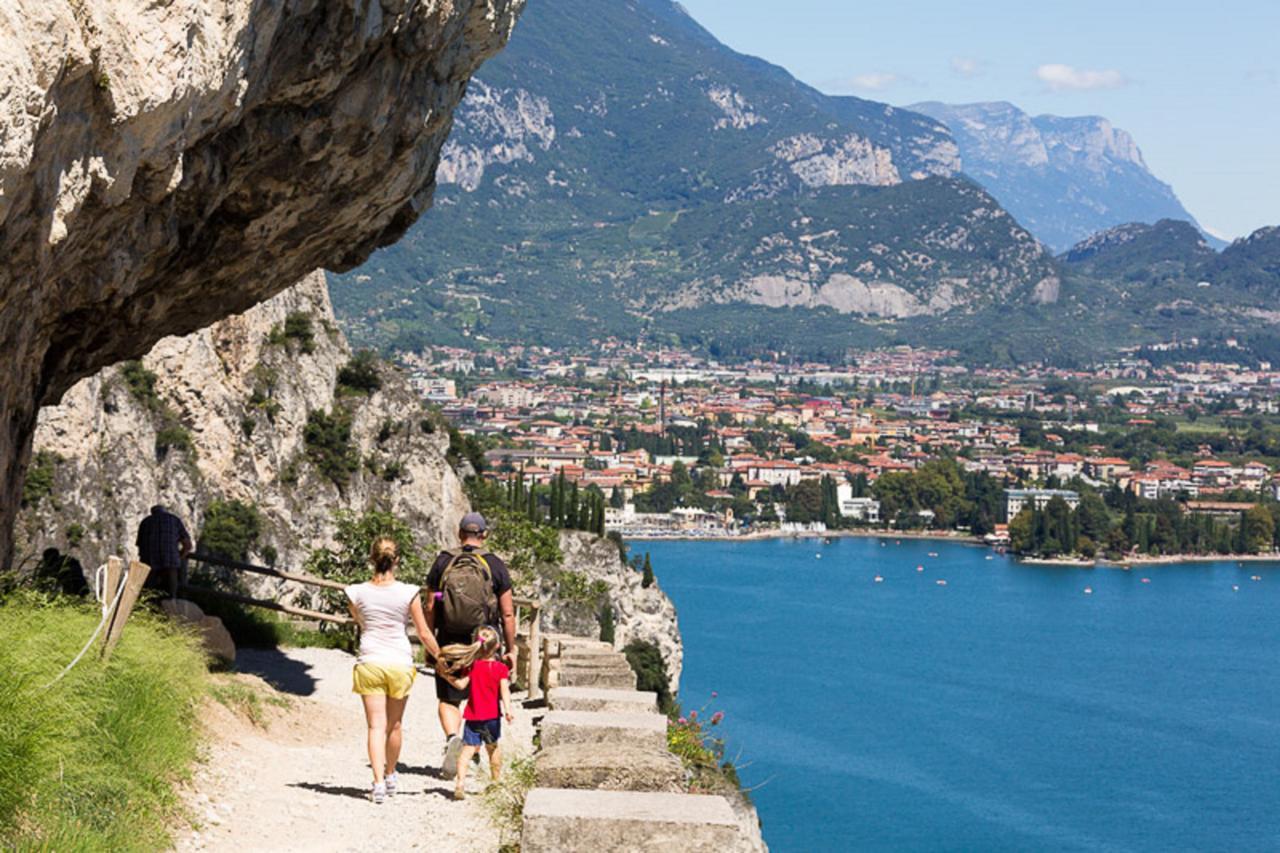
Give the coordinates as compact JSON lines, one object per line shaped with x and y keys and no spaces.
{"x":647,"y":580}
{"x":231,"y":529}
{"x":1259,"y":529}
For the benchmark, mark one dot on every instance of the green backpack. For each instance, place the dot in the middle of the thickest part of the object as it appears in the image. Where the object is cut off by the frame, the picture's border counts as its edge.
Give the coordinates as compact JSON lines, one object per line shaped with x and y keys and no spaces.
{"x":466,"y":586}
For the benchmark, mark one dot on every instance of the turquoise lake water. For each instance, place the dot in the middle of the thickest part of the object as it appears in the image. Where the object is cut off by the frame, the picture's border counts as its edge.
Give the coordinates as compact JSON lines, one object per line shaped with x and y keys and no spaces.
{"x":1006,"y":710}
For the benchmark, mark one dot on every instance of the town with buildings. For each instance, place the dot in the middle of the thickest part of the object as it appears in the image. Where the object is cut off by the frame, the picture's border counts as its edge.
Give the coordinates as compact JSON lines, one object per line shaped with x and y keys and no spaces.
{"x":903,"y":439}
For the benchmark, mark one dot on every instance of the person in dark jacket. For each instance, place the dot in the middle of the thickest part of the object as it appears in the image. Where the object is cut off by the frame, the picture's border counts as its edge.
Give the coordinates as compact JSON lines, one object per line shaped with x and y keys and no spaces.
{"x":163,"y":544}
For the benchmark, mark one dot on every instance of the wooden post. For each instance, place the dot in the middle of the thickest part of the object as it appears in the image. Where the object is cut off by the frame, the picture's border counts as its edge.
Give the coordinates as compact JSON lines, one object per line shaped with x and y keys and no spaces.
{"x":111,"y":582}
{"x":535,"y":652}
{"x":128,"y":598}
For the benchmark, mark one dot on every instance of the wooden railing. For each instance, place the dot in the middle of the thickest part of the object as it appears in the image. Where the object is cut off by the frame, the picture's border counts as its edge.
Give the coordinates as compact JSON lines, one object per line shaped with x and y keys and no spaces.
{"x":532,"y":606}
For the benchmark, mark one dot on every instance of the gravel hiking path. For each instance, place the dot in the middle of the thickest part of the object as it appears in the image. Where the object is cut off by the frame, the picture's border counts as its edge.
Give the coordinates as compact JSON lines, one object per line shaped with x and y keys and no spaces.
{"x":299,"y":778}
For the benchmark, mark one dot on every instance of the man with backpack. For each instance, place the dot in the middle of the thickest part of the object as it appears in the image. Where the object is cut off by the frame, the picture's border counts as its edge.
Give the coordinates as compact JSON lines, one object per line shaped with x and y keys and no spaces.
{"x":468,"y":587}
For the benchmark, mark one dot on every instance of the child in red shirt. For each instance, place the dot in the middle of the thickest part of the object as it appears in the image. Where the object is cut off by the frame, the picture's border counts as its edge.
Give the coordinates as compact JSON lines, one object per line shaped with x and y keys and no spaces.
{"x":488,"y":682}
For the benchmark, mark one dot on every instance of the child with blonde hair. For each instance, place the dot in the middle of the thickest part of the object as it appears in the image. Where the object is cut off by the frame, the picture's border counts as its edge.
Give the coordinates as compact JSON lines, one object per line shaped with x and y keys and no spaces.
{"x":476,"y":668}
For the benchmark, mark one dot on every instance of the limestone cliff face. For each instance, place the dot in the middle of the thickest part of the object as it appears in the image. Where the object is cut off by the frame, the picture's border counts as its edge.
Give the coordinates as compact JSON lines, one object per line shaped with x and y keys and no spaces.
{"x":243,"y":389}
{"x":164,"y":165}
{"x":639,"y":613}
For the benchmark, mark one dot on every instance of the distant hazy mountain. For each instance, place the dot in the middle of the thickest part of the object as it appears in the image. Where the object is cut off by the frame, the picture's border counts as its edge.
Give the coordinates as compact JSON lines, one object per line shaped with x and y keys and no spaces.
{"x":617,"y":170}
{"x":1062,"y":178}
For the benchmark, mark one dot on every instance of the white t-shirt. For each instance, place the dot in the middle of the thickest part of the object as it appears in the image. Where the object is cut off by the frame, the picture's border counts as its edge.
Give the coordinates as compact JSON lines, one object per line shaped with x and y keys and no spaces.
{"x":384,"y":608}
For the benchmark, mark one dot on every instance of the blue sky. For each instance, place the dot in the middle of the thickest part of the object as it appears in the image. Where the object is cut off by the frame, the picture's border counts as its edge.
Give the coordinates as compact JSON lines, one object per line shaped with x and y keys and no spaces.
{"x":1197,"y":84}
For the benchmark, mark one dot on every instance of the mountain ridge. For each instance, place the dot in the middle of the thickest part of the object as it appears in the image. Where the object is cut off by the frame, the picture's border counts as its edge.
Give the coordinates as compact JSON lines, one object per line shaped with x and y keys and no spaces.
{"x":1063,"y":177}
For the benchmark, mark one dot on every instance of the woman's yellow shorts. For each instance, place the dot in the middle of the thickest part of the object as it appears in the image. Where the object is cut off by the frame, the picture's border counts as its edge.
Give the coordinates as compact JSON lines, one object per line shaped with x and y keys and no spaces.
{"x":371,"y":679}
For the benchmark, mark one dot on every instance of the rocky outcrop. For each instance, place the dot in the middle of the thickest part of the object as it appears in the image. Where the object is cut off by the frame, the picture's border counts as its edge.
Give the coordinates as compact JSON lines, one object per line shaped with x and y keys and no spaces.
{"x":639,"y":613}
{"x":242,"y":390}
{"x":164,"y":165}
{"x":1061,"y":177}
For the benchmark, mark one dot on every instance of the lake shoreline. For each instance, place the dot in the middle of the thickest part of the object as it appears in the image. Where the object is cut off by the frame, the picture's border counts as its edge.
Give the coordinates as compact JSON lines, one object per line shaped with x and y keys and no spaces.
{"x":960,"y":538}
{"x":963,"y":539}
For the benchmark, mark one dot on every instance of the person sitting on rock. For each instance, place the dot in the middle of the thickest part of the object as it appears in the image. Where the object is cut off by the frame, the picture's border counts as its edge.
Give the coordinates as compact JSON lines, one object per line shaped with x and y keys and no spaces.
{"x":487,"y":681}
{"x":163,"y":544}
{"x":384,"y":671}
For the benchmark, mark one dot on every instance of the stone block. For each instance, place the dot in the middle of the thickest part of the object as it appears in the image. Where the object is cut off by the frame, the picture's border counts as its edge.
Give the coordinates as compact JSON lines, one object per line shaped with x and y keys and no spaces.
{"x":616,"y":768}
{"x":644,"y":731}
{"x":609,"y":679}
{"x":601,"y":699}
{"x":568,"y":821}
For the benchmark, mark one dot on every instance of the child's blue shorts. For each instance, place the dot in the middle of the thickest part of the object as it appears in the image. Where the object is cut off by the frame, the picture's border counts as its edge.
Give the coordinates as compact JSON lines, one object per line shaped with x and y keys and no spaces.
{"x":477,"y":732}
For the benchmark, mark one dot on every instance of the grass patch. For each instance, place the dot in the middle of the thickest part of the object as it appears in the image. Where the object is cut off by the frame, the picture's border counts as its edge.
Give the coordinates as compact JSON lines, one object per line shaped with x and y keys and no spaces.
{"x":504,"y":800}
{"x":89,"y":763}
{"x":246,"y":699}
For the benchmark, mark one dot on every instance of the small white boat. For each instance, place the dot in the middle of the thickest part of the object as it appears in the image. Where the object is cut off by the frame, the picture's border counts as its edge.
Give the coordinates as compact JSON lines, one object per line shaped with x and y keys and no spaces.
{"x":879,"y":579}
{"x":1088,"y":590}
{"x":933,"y":553}
{"x":919,"y":568}
{"x":940,"y":582}
{"x":1255,"y":577}
{"x":989,"y":557}
{"x":817,"y":556}
{"x":1235,"y":587}
{"x":1146,"y":580}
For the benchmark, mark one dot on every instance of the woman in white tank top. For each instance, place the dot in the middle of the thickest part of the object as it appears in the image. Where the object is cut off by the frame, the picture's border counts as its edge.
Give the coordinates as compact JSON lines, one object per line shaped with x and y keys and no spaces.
{"x":384,"y":671}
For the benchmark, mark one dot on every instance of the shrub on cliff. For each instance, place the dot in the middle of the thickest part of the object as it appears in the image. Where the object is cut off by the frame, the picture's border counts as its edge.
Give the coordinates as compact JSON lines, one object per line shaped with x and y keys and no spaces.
{"x":360,"y":375}
{"x":295,"y":330}
{"x":90,"y":762}
{"x":328,"y":441}
{"x":231,"y":529}
{"x":651,"y":672}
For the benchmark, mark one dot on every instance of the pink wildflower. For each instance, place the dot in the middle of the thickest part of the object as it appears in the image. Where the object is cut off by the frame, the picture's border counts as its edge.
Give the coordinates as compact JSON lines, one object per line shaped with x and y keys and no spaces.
{"x":717,"y":717}
{"x":693,"y":715}
{"x":682,"y":721}
{"x":714,"y":694}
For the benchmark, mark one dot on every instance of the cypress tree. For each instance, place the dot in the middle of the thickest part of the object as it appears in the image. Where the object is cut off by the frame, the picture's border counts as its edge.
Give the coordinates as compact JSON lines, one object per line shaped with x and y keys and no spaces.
{"x":606,"y":624}
{"x":647,"y":580}
{"x":574,"y":508}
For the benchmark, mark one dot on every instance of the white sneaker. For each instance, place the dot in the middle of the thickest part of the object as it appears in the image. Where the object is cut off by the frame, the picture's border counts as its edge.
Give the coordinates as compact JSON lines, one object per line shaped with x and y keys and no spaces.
{"x":449,"y":767}
{"x":391,"y":781}
{"x":379,"y":793}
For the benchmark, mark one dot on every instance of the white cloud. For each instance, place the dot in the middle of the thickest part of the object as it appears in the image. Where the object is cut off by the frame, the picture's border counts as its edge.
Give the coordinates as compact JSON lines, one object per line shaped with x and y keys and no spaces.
{"x":874,"y":81}
{"x":1060,"y":78}
{"x":965,"y":66}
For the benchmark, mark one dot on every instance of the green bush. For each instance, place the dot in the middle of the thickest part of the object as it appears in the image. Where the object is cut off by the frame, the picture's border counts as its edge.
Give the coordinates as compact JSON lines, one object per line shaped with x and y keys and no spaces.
{"x":360,"y":374}
{"x":39,"y":482}
{"x":328,"y":441}
{"x":577,"y":588}
{"x":296,"y":330}
{"x":350,"y":562}
{"x":173,"y":436}
{"x":231,"y":529}
{"x":651,"y":672}
{"x":89,"y":764}
{"x":141,"y":383}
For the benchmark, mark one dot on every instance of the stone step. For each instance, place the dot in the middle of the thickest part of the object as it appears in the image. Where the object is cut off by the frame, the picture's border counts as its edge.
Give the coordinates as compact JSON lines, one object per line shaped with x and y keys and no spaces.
{"x":618,"y":768}
{"x":566,"y":821}
{"x":608,"y":679}
{"x":600,"y":699}
{"x":644,"y":731}
{"x":588,"y":665}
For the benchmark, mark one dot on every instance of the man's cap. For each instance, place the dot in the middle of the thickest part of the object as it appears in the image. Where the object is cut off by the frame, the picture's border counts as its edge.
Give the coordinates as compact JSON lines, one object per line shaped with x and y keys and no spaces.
{"x":473,"y":522}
